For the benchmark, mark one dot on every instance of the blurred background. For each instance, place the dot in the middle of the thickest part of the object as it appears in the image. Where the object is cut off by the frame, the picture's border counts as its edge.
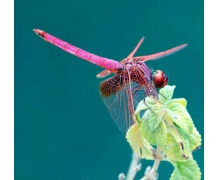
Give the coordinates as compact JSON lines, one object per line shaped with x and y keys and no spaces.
{"x":62,"y":128}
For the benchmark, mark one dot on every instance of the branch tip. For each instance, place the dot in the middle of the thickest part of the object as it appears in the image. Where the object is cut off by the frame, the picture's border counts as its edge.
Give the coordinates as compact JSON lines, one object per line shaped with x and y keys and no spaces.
{"x":121,"y":176}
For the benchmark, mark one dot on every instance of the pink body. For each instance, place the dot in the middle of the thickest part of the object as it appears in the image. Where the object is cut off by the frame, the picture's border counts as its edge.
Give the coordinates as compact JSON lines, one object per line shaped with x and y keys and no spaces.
{"x":109,"y":64}
{"x":133,"y":80}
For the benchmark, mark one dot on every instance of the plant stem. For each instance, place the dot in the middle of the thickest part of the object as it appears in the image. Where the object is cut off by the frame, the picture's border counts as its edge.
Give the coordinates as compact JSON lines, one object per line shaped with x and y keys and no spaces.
{"x":133,"y":169}
{"x":157,"y":160}
{"x":151,"y":173}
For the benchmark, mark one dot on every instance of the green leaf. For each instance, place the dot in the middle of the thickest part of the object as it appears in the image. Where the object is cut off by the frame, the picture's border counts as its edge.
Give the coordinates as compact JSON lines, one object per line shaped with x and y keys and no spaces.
{"x":176,"y":150}
{"x":180,"y":117}
{"x":187,"y":170}
{"x":178,"y":100}
{"x":134,"y":140}
{"x":185,"y":150}
{"x":178,"y":121}
{"x":172,"y":128}
{"x":167,"y":123}
{"x":157,"y":136}
{"x":180,"y":137}
{"x":176,"y":175}
{"x":195,"y":139}
{"x":150,"y":104}
{"x":166,"y":93}
{"x":155,"y":116}
{"x":150,"y":101}
{"x":141,"y":106}
{"x":172,"y":149}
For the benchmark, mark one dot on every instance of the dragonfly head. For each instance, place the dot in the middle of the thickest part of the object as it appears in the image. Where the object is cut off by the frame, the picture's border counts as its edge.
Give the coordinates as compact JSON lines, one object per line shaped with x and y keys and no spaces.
{"x":159,"y":79}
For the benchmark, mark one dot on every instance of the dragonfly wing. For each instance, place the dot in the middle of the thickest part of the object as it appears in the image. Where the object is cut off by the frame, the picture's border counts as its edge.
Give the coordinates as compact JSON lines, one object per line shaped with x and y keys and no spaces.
{"x":130,"y":56}
{"x":116,"y":102}
{"x":160,"y":54}
{"x":115,"y":93}
{"x":103,"y":74}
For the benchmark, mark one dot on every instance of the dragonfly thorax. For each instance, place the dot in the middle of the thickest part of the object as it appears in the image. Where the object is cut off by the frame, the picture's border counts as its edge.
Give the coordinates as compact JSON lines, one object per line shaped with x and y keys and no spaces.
{"x":136,"y":70}
{"x":132,"y":65}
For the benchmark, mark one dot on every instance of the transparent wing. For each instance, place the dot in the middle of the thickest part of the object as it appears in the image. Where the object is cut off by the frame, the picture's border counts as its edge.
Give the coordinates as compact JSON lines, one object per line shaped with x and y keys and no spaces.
{"x":103,"y":74}
{"x":160,"y":54}
{"x":130,"y":56}
{"x":121,"y":98}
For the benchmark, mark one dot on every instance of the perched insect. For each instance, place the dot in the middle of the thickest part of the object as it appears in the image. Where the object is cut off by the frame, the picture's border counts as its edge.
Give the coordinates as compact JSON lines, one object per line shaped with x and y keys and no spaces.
{"x":133,"y":80}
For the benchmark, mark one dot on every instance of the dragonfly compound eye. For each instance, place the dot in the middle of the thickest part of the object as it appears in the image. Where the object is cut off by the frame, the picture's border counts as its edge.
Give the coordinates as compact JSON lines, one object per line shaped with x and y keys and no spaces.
{"x":160,"y":79}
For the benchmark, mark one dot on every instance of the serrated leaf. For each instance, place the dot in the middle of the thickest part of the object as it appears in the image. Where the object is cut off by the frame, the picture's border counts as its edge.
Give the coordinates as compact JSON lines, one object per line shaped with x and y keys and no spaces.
{"x":178,"y":100}
{"x":185,"y":151}
{"x":178,"y":121}
{"x":133,"y":139}
{"x":150,"y":101}
{"x":172,"y":149}
{"x":166,"y":93}
{"x":195,"y":139}
{"x":176,"y":175}
{"x":167,"y":123}
{"x":141,"y":106}
{"x":155,"y":137}
{"x":172,"y":128}
{"x":176,"y":136}
{"x":179,"y":136}
{"x":155,"y":116}
{"x":161,"y":134}
{"x":181,"y":117}
{"x":187,"y":170}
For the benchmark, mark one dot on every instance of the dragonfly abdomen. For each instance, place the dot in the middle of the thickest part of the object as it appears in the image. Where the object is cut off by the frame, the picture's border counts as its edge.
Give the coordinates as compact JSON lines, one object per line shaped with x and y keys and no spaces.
{"x":108,"y":64}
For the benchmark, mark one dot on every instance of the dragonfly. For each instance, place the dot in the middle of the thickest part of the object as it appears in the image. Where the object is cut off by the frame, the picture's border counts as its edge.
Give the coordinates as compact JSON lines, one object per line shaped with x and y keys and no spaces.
{"x":131,"y":83}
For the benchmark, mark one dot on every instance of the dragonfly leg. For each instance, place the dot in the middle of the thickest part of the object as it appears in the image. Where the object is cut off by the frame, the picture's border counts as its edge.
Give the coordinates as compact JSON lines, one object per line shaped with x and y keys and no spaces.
{"x":159,"y":100}
{"x":138,"y":121}
{"x":163,"y":95}
{"x":136,"y":89}
{"x":149,"y":107}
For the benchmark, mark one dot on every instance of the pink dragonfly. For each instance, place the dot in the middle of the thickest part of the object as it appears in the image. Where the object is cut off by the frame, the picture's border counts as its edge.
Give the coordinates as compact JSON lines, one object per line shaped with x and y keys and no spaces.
{"x":133,"y":80}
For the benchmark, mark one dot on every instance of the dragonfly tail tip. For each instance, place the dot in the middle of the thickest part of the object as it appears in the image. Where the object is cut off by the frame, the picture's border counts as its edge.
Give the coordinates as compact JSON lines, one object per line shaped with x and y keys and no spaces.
{"x":184,"y":45}
{"x":36,"y":30}
{"x":39,"y":32}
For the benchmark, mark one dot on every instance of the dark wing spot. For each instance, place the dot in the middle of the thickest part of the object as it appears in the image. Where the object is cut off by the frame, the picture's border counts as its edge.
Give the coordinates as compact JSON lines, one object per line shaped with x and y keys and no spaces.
{"x":110,"y":86}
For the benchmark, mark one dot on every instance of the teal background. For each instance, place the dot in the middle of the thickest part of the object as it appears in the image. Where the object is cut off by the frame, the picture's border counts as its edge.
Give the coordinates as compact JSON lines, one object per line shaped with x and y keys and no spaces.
{"x":62,"y":128}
